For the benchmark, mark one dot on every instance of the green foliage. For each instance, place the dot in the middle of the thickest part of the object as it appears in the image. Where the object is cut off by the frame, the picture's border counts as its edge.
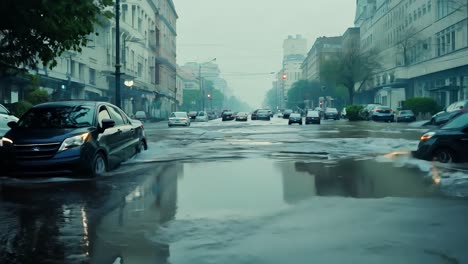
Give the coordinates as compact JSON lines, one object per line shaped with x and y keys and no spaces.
{"x":350,"y":67}
{"x":19,"y":108}
{"x":40,"y":31}
{"x":270,"y":100}
{"x":37,"y":96}
{"x":303,"y":90}
{"x":191,"y":100}
{"x":421,"y":105}
{"x":352,"y":112}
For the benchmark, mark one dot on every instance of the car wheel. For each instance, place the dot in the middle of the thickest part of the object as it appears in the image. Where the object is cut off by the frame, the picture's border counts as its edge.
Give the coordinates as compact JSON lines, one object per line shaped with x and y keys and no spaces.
{"x":444,"y":155}
{"x":99,"y":165}
{"x":141,"y":146}
{"x":169,"y":125}
{"x":289,"y":123}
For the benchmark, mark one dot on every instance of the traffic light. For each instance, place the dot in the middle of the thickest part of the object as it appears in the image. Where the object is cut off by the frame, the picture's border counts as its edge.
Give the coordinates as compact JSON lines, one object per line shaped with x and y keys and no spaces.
{"x":284,"y":76}
{"x":209,"y":96}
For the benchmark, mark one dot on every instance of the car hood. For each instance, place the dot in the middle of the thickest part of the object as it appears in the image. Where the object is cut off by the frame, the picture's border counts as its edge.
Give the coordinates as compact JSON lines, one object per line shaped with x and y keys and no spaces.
{"x":37,"y":136}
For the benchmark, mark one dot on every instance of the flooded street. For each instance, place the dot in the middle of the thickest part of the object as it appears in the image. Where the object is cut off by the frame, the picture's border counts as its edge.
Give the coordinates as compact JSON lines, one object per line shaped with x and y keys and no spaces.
{"x":258,"y":192}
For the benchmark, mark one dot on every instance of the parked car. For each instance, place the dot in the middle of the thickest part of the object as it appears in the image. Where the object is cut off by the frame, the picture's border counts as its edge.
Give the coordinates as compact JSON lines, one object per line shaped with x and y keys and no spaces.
{"x":228,"y":116}
{"x":287,"y":113}
{"x":192,"y":114}
{"x":450,"y":112}
{"x":449,"y":143}
{"x":140,"y":115}
{"x":212,"y":115}
{"x":179,"y":119}
{"x":279,"y":114}
{"x":270,"y":112}
{"x":382,"y":113}
{"x":263,"y":115}
{"x":5,"y":117}
{"x":312,"y":117}
{"x":202,"y":116}
{"x":75,"y":137}
{"x":320,"y":110}
{"x":242,"y":116}
{"x":331,"y":113}
{"x":405,"y":116}
{"x":366,"y":112}
{"x":295,"y":118}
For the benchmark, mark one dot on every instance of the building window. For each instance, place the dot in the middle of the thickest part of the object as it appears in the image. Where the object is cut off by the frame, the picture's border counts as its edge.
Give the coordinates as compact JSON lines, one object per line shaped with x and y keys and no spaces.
{"x":443,"y":8}
{"x":140,"y":25}
{"x":140,"y":70}
{"x":81,"y":68}
{"x":424,"y":9}
{"x":419,"y":12}
{"x":73,"y":69}
{"x":124,"y":13}
{"x":446,"y":41}
{"x":92,"y":76}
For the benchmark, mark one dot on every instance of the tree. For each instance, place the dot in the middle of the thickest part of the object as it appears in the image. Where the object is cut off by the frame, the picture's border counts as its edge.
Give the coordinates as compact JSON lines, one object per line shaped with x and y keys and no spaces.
{"x":39,"y":31}
{"x":351,"y":68}
{"x":270,"y":100}
{"x":406,"y":41}
{"x":304,"y":90}
{"x":191,"y":100}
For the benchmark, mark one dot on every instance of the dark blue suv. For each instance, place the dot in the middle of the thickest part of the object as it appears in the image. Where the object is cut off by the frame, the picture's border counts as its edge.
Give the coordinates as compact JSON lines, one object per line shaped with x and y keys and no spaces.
{"x":71,"y":136}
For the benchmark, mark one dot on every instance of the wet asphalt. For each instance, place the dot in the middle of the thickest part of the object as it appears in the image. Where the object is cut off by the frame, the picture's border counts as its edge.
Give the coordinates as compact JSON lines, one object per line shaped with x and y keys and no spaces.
{"x":255,"y":192}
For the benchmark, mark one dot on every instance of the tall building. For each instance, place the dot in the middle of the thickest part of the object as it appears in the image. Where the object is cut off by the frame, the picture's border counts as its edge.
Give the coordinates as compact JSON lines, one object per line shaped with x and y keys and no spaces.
{"x":324,"y":48}
{"x":148,"y":55}
{"x":294,"y":50}
{"x":422,"y":46}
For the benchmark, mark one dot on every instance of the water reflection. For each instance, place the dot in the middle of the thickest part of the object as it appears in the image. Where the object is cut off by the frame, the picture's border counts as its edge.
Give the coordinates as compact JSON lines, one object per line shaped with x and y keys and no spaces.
{"x":90,"y":222}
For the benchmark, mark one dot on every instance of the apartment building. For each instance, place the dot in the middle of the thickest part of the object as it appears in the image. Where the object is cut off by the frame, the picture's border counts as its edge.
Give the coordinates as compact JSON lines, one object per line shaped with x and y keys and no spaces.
{"x":422,"y":45}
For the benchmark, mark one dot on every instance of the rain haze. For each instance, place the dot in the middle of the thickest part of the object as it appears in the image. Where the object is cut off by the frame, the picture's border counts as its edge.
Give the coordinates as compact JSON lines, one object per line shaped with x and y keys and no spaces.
{"x":246,"y":37}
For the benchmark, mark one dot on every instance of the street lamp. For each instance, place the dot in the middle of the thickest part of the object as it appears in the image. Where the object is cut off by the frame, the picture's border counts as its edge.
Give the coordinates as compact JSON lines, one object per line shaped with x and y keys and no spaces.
{"x":200,"y":83}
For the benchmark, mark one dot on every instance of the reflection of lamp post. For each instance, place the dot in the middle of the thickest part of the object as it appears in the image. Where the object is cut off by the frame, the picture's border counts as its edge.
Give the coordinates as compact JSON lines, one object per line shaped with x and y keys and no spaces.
{"x":200,"y":83}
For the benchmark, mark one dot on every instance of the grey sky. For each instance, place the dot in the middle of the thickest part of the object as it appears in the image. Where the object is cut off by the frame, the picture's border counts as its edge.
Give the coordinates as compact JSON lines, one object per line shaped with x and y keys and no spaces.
{"x":246,"y":36}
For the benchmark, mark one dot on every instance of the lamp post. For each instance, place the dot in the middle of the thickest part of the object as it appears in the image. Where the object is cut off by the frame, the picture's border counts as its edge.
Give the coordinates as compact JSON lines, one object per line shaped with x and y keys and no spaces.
{"x":117,"y":53}
{"x":200,"y":83}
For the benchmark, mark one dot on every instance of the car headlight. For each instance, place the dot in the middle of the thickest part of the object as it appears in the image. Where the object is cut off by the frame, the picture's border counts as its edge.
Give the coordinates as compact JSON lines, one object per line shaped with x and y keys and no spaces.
{"x":74,"y":141}
{"x":427,"y":136}
{"x":4,"y":139}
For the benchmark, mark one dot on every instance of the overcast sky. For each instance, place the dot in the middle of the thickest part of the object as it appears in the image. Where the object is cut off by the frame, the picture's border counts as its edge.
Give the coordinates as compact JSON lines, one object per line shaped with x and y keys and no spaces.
{"x":246,"y":36}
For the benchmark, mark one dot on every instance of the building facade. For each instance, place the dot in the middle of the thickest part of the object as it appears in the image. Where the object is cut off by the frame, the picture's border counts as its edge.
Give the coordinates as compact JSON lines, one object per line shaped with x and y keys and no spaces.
{"x":422,"y":46}
{"x":148,"y":54}
{"x":323,"y":48}
{"x":294,"y":50}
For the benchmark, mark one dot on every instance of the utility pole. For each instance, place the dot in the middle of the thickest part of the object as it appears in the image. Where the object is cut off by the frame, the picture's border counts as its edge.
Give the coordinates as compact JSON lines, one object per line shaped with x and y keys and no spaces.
{"x":200,"y":83}
{"x":117,"y":54}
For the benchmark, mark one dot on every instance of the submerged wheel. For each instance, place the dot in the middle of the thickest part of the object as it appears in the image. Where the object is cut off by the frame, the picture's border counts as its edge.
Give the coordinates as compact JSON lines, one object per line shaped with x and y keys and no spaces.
{"x":444,"y":155}
{"x":99,"y":165}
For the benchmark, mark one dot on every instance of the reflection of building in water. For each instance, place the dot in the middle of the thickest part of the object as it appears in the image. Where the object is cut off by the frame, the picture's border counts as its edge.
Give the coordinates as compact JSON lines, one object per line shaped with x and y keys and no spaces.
{"x":297,"y":185}
{"x":127,"y":231}
{"x":365,"y":179}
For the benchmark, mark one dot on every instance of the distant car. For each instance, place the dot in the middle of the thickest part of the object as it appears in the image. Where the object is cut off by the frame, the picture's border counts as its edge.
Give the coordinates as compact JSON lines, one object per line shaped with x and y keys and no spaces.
{"x":405,"y":116}
{"x":366,"y":112}
{"x":212,"y":115}
{"x":228,"y":116}
{"x":382,"y":113}
{"x":287,"y":113}
{"x":5,"y":117}
{"x":242,"y":116}
{"x":331,"y":113}
{"x":179,"y":119}
{"x":202,"y":116}
{"x":81,"y":137}
{"x":295,"y":118}
{"x":320,"y":110}
{"x":192,"y":114}
{"x":446,"y":144}
{"x":271,"y":113}
{"x":312,"y":117}
{"x":279,"y":114}
{"x":450,"y":112}
{"x":263,"y":115}
{"x":140,"y":115}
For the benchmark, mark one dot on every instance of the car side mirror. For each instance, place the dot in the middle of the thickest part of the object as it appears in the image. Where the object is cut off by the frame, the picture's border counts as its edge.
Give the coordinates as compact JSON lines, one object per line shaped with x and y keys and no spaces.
{"x":107,"y":123}
{"x":12,"y":124}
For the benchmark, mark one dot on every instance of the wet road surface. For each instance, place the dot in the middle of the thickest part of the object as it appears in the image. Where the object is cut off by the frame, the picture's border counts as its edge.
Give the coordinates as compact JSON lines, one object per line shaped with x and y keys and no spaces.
{"x":256,"y":192}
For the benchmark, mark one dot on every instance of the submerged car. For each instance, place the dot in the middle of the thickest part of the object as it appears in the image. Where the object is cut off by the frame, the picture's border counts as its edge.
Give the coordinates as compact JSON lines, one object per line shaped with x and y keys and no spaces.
{"x":312,"y":117}
{"x":405,"y":116}
{"x":382,"y":113}
{"x":179,"y":119}
{"x":446,"y":144}
{"x":263,"y":115}
{"x":141,"y":115}
{"x":202,"y":116}
{"x":227,"y":116}
{"x":242,"y":116}
{"x":331,"y":113}
{"x":287,"y":113}
{"x":295,"y":118}
{"x":450,"y":113}
{"x":73,"y":137}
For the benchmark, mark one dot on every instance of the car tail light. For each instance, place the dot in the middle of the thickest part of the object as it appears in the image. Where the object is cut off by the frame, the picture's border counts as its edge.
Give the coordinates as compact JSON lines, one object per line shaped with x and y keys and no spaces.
{"x":183,"y":119}
{"x":376,"y":111}
{"x":391,"y":111}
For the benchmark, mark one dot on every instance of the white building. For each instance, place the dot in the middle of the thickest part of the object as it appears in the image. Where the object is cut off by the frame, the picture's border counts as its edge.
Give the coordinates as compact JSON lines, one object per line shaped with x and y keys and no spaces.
{"x":294,"y":50}
{"x":148,"y":54}
{"x":422,"y":45}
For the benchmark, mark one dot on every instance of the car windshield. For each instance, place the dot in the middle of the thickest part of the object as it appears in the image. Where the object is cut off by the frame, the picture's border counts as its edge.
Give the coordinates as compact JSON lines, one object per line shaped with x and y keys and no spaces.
{"x":457,"y":123}
{"x":313,"y":114}
{"x":331,"y":110}
{"x":295,"y":115}
{"x":201,"y":113}
{"x":58,"y":117}
{"x":406,"y":112}
{"x":178,"y":114}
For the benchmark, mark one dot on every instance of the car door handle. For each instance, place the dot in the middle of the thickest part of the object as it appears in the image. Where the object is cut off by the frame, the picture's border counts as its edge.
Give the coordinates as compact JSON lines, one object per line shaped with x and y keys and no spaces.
{"x":132,"y":130}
